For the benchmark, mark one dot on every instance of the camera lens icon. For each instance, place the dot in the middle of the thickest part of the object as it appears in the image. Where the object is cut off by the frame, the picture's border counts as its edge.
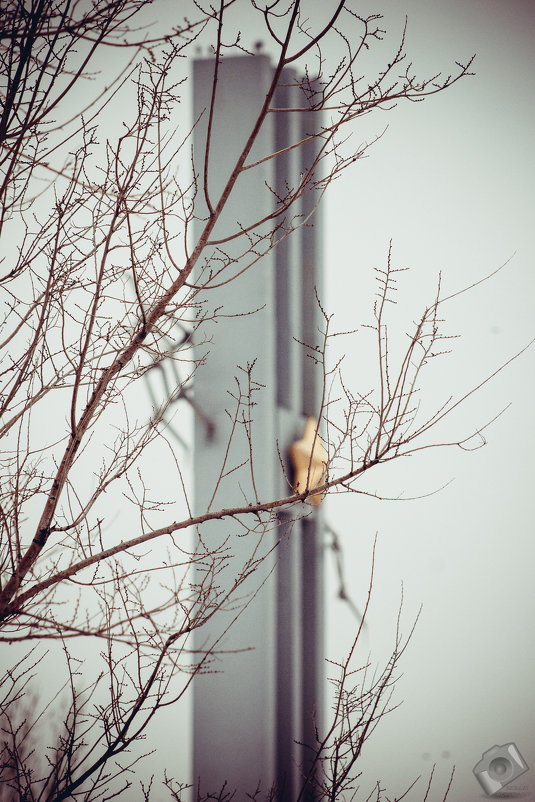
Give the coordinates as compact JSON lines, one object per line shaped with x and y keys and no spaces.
{"x":498,"y":767}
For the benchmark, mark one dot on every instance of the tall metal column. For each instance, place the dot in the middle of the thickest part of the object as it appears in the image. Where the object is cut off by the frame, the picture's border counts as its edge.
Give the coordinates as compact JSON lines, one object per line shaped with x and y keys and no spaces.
{"x":261,"y":695}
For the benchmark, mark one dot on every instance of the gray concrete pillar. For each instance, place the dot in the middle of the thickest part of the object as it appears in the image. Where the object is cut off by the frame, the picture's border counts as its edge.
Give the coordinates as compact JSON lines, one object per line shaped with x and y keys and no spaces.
{"x":261,"y":692}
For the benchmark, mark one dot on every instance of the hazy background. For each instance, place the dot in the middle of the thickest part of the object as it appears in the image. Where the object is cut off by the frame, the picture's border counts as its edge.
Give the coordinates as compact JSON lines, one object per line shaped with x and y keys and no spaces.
{"x":451,"y":183}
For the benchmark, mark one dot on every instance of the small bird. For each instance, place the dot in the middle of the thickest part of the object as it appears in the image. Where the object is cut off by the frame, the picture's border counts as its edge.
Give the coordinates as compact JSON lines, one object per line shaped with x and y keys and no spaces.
{"x":309,"y":460}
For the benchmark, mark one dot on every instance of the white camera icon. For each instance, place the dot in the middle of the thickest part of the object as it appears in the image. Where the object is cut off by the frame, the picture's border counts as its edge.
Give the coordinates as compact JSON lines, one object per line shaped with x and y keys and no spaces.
{"x":498,"y":767}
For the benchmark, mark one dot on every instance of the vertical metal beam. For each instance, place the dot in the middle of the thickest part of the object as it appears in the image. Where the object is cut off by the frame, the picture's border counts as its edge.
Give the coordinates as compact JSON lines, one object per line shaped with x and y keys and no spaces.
{"x":312,"y":585}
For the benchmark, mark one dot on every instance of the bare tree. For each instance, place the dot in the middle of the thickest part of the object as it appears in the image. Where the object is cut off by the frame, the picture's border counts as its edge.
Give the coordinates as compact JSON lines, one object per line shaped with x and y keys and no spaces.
{"x":103,"y":282}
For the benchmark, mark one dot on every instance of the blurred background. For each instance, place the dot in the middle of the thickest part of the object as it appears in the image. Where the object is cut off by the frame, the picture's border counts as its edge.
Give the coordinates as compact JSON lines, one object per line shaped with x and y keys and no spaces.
{"x":451,"y":183}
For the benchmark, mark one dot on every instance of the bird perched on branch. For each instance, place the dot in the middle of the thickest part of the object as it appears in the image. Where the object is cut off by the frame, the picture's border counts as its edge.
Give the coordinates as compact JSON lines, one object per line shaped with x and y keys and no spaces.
{"x":309,"y":460}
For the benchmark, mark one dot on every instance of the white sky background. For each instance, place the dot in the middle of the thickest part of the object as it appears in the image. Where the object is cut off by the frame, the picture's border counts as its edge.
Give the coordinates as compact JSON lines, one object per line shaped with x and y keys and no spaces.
{"x":451,"y":183}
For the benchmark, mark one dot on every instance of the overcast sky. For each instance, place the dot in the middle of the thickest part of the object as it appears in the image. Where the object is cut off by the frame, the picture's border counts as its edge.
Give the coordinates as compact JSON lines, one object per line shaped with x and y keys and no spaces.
{"x":452,"y":184}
